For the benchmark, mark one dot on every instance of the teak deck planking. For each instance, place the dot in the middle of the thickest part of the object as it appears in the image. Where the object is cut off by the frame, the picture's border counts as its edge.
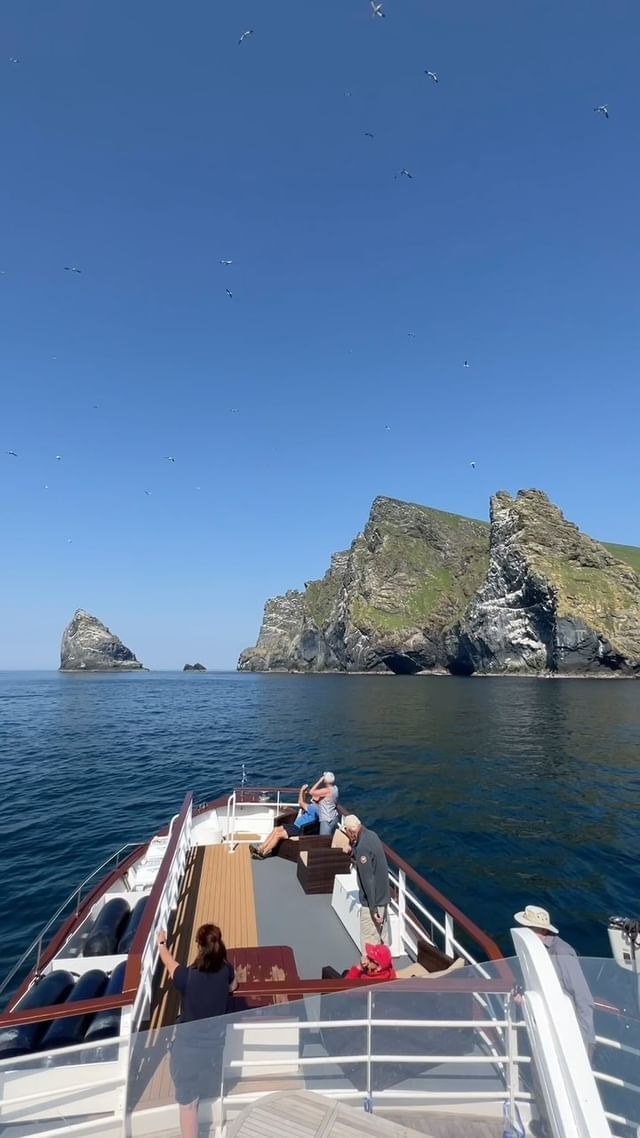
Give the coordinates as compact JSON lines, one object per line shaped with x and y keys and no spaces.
{"x":308,"y":1115}
{"x":217,"y":888}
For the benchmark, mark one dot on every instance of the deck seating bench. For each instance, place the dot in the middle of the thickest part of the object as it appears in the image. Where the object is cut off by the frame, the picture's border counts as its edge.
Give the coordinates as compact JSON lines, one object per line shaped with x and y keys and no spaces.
{"x":318,"y":865}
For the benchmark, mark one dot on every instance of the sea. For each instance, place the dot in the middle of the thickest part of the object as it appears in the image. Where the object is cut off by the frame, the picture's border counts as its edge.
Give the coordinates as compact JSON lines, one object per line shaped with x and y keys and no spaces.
{"x":501,"y":792}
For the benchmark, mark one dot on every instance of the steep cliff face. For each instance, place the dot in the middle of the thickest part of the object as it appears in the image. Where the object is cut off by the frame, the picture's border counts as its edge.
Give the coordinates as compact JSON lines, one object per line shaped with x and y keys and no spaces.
{"x":385,"y":604}
{"x":422,"y":590}
{"x":89,"y":646}
{"x":554,"y":599}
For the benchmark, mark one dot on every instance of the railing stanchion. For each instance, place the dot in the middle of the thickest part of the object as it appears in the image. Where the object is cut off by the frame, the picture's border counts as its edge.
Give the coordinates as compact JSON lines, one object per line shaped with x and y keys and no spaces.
{"x":512,"y":1071}
{"x":448,"y":934}
{"x":402,"y":903}
{"x":369,"y":1034}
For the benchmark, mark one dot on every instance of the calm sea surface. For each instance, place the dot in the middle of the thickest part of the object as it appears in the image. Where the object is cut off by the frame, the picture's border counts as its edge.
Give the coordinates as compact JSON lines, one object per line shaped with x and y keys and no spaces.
{"x":500,"y":791}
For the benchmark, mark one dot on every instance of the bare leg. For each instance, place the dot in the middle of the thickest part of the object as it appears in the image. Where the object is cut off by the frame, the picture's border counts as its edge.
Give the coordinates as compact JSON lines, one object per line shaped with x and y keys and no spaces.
{"x":272,"y":840}
{"x":189,"y":1120}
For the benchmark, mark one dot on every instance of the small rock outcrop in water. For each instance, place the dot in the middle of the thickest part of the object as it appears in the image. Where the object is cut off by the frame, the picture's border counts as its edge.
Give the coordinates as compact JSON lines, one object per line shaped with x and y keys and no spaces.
{"x":422,"y":590}
{"x":89,"y":646}
{"x":194,"y":668}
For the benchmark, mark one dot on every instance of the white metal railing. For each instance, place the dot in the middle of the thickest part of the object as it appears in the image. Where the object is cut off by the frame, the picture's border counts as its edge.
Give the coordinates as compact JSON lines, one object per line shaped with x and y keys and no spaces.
{"x":75,"y":1095}
{"x":616,"y":1081}
{"x":409,"y":925}
{"x":506,"y":1064}
{"x":231,"y":819}
{"x":168,"y":901}
{"x":72,"y":902}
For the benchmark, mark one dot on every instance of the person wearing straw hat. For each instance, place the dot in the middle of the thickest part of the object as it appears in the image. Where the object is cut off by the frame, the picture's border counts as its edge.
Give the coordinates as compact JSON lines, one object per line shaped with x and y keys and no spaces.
{"x":567,"y":966}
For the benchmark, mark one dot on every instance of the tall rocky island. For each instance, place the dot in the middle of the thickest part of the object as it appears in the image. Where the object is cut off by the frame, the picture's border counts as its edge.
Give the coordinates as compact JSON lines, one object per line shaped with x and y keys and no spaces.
{"x":421,"y":590}
{"x":89,"y":646}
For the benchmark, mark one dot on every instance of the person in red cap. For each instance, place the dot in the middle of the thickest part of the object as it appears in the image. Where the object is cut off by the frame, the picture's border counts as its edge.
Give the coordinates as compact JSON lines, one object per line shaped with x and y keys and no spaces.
{"x":376,"y":964}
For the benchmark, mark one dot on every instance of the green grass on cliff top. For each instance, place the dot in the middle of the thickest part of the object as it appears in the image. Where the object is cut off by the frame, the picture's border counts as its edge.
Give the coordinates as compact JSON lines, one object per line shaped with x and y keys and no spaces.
{"x":627,"y":553}
{"x":630,"y":554}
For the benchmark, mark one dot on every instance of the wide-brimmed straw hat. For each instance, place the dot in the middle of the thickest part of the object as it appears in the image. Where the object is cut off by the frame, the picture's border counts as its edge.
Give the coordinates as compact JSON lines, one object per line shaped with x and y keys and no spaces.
{"x":535,"y":918}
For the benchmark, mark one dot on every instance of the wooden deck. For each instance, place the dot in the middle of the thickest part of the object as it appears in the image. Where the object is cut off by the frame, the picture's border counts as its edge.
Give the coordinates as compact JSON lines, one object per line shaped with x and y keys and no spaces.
{"x":446,"y":1124}
{"x":218,"y":888}
{"x":303,"y":1114}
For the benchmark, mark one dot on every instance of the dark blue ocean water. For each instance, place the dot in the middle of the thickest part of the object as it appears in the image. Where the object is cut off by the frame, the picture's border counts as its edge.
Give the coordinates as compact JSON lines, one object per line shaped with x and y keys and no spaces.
{"x":502,"y":792}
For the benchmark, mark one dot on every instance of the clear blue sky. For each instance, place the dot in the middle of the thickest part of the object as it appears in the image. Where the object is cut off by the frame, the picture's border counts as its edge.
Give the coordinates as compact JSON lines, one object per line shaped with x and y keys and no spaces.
{"x":140,"y":143}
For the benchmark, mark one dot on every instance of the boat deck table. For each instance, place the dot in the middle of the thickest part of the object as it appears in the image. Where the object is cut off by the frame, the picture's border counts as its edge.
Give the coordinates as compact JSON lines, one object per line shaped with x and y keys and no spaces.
{"x":302,"y":1114}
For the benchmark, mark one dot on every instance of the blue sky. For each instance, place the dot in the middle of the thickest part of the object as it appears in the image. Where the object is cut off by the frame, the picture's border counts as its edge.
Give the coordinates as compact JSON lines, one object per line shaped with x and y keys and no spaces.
{"x":142,"y":144}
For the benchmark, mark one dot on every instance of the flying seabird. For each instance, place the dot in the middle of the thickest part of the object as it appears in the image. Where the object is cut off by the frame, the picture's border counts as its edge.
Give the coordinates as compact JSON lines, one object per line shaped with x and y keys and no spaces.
{"x":229,"y":293}
{"x":148,"y":493}
{"x":411,"y":335}
{"x":58,"y":458}
{"x":224,"y":262}
{"x":13,"y":59}
{"x":13,"y":453}
{"x":472,"y":465}
{"x":244,"y":35}
{"x":387,"y":428}
{"x":368,"y":134}
{"x":466,"y":363}
{"x":234,"y":410}
{"x":376,"y":9}
{"x":602,"y":110}
{"x":432,"y":76}
{"x":169,"y":457}
{"x":404,"y":173}
{"x":72,"y":269}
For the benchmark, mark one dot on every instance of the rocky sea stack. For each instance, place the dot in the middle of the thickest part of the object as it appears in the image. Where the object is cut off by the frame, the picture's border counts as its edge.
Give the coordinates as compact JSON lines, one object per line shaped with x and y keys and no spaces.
{"x":194,"y":668}
{"x":421,"y":590}
{"x":89,"y":646}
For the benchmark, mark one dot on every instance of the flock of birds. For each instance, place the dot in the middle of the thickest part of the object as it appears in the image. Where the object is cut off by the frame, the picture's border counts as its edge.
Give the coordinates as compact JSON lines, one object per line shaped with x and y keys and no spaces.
{"x":377,"y":12}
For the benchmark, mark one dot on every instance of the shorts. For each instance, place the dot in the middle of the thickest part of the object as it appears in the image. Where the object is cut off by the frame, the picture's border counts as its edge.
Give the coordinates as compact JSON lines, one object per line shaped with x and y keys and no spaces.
{"x":293,"y":831}
{"x":195,"y":1071}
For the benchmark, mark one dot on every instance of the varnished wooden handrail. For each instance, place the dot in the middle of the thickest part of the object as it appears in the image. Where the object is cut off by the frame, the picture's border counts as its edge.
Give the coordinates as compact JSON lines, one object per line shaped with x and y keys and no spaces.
{"x":296,"y":989}
{"x":300,"y":988}
{"x":134,"y":961}
{"x":481,"y":938}
{"x":63,"y":1011}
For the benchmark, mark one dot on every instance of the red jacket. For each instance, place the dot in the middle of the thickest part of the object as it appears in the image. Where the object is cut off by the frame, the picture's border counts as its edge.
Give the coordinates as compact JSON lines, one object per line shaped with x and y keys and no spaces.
{"x":358,"y":973}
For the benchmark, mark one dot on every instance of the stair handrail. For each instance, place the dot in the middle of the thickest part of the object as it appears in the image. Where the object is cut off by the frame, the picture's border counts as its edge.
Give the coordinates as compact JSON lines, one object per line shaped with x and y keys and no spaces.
{"x":567,"y":1082}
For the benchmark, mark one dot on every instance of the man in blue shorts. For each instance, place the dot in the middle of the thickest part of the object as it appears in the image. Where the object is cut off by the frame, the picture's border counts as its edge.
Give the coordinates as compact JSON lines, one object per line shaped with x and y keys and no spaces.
{"x":307,"y":816}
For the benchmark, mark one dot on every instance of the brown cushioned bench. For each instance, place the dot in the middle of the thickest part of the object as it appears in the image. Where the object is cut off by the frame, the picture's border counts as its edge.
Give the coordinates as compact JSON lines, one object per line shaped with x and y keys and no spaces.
{"x":318,"y":867}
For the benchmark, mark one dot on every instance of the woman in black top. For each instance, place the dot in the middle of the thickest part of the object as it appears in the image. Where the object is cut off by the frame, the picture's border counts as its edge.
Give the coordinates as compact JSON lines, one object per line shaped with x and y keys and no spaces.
{"x":204,"y":989}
